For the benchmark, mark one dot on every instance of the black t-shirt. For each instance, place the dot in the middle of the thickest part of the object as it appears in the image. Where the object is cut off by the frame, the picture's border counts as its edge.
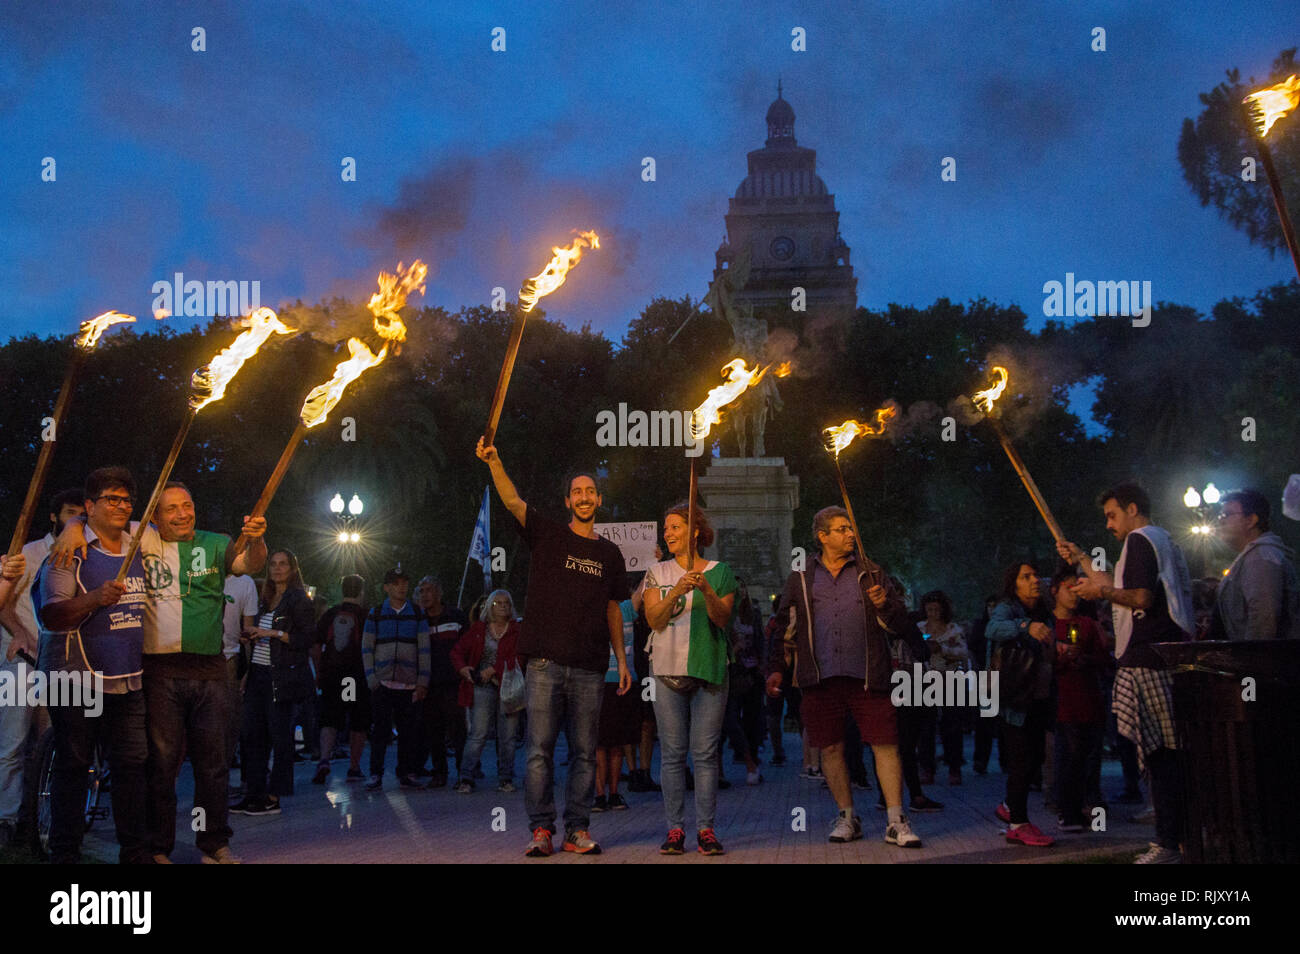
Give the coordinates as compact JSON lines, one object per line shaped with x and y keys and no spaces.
{"x":1154,"y":625}
{"x":444,"y":630}
{"x":571,"y":582}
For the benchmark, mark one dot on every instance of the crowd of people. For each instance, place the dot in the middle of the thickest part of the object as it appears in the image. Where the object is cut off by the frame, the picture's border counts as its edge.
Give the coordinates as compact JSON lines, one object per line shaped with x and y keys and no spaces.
{"x":199,"y":661}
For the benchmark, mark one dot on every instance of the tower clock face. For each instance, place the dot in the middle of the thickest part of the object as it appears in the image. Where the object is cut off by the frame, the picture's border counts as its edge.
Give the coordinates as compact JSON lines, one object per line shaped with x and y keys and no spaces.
{"x":782,"y":248}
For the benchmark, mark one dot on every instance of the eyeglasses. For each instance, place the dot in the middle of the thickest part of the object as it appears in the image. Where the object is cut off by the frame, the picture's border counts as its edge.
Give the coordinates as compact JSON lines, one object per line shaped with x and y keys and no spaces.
{"x":113,"y":500}
{"x":846,"y":529}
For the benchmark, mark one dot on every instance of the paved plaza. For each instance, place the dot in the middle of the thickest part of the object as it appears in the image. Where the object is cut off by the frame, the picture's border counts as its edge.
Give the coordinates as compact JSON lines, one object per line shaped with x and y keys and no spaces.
{"x":341,"y":822}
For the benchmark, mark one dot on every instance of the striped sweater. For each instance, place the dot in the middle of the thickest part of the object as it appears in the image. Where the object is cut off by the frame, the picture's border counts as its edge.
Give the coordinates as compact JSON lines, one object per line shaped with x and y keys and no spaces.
{"x":395,"y":647}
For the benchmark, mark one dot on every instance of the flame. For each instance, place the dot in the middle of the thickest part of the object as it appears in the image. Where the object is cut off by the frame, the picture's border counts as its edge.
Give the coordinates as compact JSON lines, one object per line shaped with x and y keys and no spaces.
{"x":738,"y":379}
{"x":1269,"y":105}
{"x":323,"y":397}
{"x":553,"y":275}
{"x":92,"y":329}
{"x":160,"y":313}
{"x":209,"y":382}
{"x":838,"y":438}
{"x":783,"y":369}
{"x":984,"y":399}
{"x":391,"y":298}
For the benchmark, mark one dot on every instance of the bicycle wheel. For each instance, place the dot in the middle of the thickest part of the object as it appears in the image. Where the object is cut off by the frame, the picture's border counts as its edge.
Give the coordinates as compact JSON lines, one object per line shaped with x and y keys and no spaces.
{"x":41,"y":777}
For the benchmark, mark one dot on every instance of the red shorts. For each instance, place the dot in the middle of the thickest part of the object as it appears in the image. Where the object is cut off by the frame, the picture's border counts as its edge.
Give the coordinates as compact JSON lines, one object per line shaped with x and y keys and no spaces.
{"x":826,"y":705}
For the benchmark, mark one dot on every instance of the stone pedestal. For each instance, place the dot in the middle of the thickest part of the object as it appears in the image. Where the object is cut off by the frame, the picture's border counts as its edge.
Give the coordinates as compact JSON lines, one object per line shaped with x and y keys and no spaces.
{"x":750,"y":501}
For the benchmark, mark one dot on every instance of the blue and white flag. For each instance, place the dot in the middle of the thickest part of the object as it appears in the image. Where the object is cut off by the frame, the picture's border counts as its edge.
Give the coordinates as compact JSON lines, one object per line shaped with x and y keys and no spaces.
{"x":480,"y":548}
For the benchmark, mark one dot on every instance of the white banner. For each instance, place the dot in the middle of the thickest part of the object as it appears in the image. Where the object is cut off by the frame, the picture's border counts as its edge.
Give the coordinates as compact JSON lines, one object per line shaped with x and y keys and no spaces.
{"x":637,"y":541}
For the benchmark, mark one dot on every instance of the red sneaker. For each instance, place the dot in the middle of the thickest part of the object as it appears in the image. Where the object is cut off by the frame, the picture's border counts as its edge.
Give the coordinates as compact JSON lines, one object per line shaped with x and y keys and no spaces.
{"x":540,"y":846}
{"x":1003,"y":813}
{"x":1028,"y":834}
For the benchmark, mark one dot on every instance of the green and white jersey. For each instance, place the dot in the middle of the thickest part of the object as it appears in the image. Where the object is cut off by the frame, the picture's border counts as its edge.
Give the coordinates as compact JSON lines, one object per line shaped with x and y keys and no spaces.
{"x":691,"y":644}
{"x":185,"y":581}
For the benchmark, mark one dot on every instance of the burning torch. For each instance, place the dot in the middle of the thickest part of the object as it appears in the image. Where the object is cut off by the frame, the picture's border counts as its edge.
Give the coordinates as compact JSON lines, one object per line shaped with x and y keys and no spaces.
{"x":384,"y":305}
{"x":537,"y":287}
{"x":83,"y":344}
{"x":207,"y":385}
{"x":738,"y":379}
{"x":1264,"y":108}
{"x":985,"y":400}
{"x":836,"y":439}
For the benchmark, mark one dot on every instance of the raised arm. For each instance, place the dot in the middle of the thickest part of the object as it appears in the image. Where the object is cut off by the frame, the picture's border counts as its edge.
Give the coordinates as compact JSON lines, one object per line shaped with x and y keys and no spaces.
{"x":505,"y":487}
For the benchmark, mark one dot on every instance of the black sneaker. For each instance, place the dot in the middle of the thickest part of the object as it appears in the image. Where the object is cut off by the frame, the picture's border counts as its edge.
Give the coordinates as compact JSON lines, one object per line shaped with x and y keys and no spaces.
{"x":241,"y":807}
{"x":262,"y":806}
{"x":322,"y":773}
{"x":617,"y":803}
{"x":600,"y":804}
{"x":437,"y":781}
{"x":708,"y":842}
{"x":638,"y":781}
{"x":777,"y":759}
{"x":923,"y":804}
{"x":723,"y":784}
{"x":676,"y":843}
{"x":408,"y":781}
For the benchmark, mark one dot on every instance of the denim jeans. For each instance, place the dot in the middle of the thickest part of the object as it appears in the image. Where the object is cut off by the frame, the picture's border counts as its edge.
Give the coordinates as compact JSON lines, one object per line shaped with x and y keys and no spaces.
{"x":120,"y":729}
{"x":15,"y":724}
{"x":390,"y":706}
{"x":558,"y":696}
{"x":689,"y":723}
{"x":443,"y":723}
{"x":268,"y":728}
{"x":487,"y":710}
{"x":187,"y":717}
{"x":1076,"y":746}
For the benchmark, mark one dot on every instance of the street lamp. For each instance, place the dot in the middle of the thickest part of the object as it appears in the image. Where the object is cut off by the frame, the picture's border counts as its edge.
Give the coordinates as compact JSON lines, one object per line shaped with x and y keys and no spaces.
{"x":355,"y":505}
{"x":336,"y":504}
{"x":1201,"y":504}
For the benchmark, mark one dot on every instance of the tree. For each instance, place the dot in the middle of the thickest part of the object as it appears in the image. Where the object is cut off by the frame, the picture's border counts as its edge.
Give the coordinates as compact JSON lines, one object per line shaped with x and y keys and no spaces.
{"x":1211,"y":150}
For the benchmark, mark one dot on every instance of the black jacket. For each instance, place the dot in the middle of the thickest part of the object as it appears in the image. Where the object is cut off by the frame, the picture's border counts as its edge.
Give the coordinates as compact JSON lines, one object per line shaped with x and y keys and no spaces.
{"x":290,"y":666}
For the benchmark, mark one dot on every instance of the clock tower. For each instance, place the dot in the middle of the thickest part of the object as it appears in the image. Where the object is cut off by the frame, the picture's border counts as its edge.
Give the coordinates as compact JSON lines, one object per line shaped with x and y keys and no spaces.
{"x":785,"y":221}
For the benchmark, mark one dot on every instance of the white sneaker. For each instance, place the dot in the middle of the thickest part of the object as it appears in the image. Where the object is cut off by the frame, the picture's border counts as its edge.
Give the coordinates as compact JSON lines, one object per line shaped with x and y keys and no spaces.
{"x":1159,"y":855}
{"x":222,"y":856}
{"x":846,"y":829}
{"x":900,"y":833}
{"x":754,"y":778}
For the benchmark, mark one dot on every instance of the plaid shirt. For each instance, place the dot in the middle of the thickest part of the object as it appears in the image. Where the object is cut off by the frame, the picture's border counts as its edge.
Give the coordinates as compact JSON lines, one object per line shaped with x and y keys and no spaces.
{"x":1144,"y":709}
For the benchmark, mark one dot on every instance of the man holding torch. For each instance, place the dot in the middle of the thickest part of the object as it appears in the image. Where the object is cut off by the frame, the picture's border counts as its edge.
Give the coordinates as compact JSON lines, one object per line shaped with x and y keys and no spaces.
{"x":1151,"y":601}
{"x":572,"y":621}
{"x":841,"y":624}
{"x":185,"y":671}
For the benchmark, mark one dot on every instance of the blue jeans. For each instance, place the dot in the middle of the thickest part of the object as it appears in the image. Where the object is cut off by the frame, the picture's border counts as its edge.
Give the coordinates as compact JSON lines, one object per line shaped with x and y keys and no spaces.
{"x":570,"y":697}
{"x":486,"y":711}
{"x":187,"y":717}
{"x":689,"y":723}
{"x":120,"y":729}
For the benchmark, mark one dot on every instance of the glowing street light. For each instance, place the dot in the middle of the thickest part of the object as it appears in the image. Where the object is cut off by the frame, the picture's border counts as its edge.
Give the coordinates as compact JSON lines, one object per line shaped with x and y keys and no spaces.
{"x":1211,"y":494}
{"x":355,"y":506}
{"x":336,"y":504}
{"x":1191,"y":499}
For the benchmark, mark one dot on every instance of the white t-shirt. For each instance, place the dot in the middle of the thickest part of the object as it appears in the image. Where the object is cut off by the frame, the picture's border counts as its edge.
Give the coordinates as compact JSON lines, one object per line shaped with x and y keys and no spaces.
{"x":243,"y":591}
{"x":35,"y":553}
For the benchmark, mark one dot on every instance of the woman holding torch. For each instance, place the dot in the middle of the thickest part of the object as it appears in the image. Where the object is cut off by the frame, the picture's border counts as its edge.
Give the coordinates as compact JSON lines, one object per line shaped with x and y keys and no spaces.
{"x":689,"y":612}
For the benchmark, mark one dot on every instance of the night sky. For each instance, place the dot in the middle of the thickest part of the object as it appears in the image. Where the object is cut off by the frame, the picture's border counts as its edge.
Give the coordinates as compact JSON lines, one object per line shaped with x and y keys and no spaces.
{"x":225,"y":164}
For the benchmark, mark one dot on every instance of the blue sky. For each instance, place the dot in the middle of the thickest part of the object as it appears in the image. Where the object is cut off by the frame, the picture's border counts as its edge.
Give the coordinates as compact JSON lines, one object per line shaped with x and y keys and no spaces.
{"x":225,"y":164}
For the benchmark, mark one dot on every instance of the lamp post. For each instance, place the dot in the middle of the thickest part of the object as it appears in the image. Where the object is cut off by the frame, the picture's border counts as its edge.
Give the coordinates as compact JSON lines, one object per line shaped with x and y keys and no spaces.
{"x":1201,"y":504}
{"x":348,"y":532}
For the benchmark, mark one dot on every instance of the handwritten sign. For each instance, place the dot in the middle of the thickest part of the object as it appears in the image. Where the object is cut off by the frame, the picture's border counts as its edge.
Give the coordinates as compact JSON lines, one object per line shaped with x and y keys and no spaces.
{"x":637,"y":541}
